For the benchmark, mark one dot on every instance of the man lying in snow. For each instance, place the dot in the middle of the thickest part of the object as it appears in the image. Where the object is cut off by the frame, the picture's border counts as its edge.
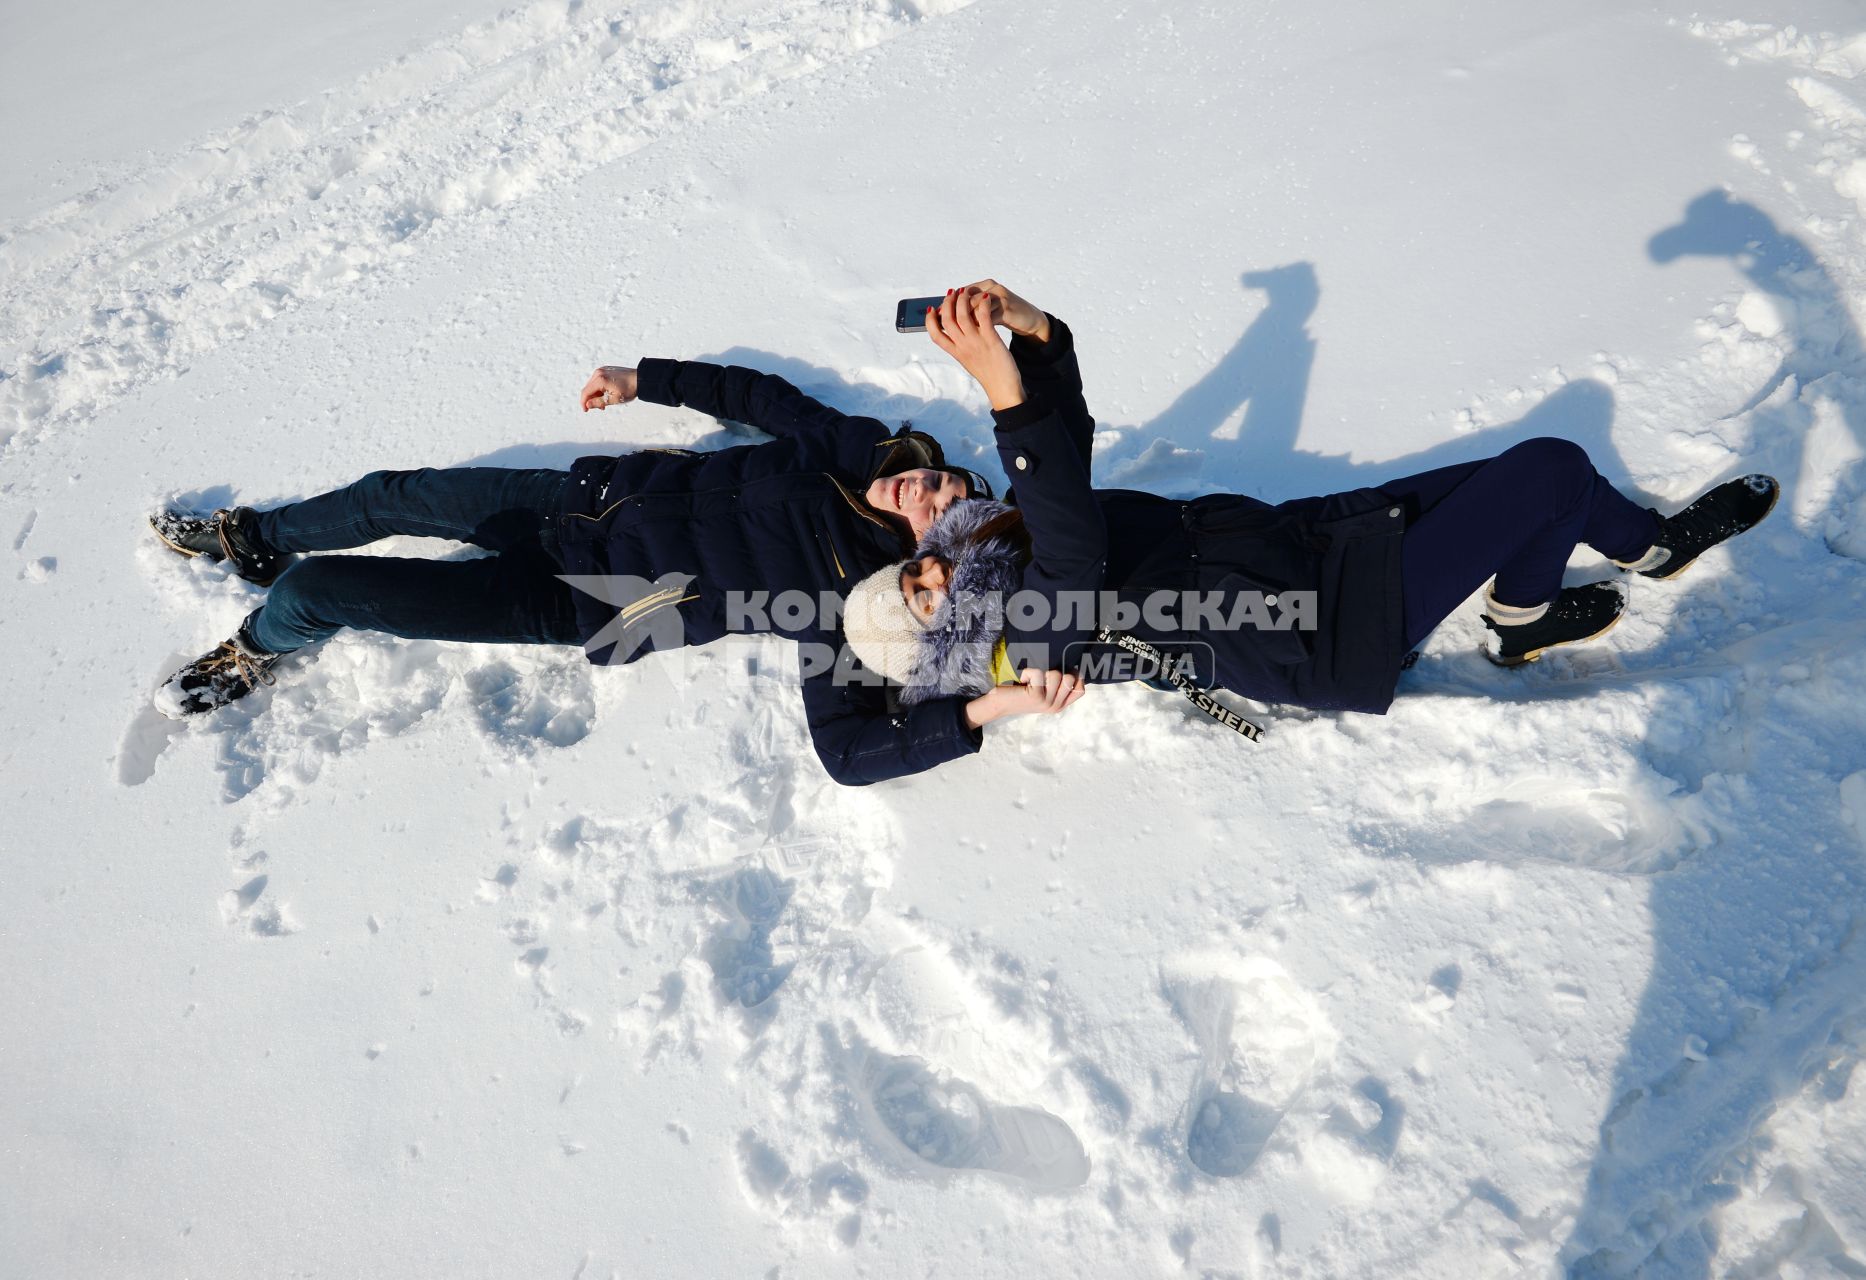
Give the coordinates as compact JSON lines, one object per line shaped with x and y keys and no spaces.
{"x":837,"y":504}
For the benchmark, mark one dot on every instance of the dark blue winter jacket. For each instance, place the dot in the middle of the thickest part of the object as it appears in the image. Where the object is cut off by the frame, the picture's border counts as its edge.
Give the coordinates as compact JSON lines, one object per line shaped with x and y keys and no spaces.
{"x":738,"y":524}
{"x":665,"y":541}
{"x":1344,"y":547}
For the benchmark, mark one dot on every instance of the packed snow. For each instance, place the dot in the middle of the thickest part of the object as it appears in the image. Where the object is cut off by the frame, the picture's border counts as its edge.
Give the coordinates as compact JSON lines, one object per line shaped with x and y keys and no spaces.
{"x":442,"y":960}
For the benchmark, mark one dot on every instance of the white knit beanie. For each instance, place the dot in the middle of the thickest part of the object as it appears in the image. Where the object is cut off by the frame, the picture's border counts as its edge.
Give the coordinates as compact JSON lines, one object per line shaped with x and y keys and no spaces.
{"x":879,"y":627}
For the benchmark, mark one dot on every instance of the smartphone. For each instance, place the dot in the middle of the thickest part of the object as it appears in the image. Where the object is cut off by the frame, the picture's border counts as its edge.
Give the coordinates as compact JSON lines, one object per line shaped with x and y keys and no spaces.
{"x":910,"y":314}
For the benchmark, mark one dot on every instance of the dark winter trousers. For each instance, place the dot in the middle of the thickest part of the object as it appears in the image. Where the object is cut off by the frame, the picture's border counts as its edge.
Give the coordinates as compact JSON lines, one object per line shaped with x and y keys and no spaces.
{"x":513,"y":596}
{"x":1516,"y":517}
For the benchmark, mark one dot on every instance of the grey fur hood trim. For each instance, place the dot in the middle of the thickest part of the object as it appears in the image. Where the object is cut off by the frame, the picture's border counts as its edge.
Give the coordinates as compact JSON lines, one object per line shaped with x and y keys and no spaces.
{"x":954,"y":653}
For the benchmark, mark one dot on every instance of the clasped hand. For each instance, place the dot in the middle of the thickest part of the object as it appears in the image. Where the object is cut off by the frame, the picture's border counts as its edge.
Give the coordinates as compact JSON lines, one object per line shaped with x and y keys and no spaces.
{"x":963,"y":327}
{"x":611,"y":384}
{"x":1036,"y":693}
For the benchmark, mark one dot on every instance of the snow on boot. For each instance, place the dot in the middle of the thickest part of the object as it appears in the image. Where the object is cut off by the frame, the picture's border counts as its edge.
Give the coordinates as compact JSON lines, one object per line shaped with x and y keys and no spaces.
{"x":231,"y":534}
{"x":1721,"y":514}
{"x":1520,"y":634}
{"x":211,"y":681}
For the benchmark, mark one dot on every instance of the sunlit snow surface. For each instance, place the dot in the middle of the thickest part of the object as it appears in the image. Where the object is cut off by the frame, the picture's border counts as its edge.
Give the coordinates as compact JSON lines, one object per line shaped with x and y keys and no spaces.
{"x":449,"y":960}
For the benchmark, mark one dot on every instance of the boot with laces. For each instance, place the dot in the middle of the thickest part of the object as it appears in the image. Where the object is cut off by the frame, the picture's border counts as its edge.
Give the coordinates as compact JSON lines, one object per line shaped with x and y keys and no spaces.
{"x":1729,"y":509}
{"x":230,"y":534}
{"x":1519,"y":634}
{"x":231,"y":671}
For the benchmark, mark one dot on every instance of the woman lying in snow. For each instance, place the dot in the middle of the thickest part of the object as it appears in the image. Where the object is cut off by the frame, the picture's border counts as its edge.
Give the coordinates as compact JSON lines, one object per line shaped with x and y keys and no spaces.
{"x":1316,"y":601}
{"x":1374,"y":570}
{"x":661,"y":542}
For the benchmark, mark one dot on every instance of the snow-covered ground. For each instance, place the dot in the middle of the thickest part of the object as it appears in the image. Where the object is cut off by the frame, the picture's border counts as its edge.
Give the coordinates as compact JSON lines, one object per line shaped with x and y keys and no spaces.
{"x":448,"y":961}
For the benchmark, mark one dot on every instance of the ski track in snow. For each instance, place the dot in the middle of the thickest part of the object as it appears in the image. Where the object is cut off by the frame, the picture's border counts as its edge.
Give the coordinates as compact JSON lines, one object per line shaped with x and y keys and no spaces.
{"x":134,"y":280}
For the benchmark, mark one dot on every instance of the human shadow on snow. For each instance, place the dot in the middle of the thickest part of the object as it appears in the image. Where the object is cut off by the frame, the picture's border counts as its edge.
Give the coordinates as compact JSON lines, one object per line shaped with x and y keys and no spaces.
{"x":1818,"y":325}
{"x":1757,"y":973}
{"x":1262,"y":382}
{"x":1265,"y":373}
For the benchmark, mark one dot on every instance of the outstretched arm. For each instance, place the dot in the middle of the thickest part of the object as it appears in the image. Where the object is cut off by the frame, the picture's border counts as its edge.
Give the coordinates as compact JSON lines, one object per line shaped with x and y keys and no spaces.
{"x":761,"y":400}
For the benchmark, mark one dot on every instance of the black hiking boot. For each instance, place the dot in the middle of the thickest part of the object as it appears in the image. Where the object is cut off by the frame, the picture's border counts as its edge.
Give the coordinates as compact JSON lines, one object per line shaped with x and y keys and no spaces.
{"x":1577,"y":614}
{"x":234,"y":669}
{"x":1721,"y":514}
{"x":230,"y":534}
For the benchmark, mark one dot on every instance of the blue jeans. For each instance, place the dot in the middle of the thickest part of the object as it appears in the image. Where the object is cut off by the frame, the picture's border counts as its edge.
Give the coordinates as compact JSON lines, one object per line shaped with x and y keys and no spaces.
{"x":512,"y":596}
{"x":1516,"y":517}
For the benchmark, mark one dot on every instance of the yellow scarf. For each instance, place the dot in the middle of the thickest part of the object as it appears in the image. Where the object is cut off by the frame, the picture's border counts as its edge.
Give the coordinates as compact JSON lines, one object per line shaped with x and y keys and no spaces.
{"x":1001,"y":669}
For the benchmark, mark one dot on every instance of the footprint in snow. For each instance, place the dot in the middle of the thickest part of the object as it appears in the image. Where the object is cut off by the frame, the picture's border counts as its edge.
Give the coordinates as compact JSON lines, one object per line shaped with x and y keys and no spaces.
{"x":1257,"y":1034}
{"x":1440,"y":993}
{"x":1371,"y":1118}
{"x":243,"y":910}
{"x":948,"y":1122}
{"x":831,"y":1191}
{"x":148,"y":733}
{"x":545,"y":706}
{"x":739,"y":951}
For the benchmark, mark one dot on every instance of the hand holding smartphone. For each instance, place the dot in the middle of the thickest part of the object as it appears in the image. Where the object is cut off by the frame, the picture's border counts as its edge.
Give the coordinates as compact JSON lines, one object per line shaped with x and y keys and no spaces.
{"x":910,"y":314}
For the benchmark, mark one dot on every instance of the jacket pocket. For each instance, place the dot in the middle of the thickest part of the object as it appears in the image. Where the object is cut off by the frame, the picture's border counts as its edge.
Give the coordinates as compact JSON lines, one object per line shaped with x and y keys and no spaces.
{"x":1225,"y":513}
{"x":1276,"y":631}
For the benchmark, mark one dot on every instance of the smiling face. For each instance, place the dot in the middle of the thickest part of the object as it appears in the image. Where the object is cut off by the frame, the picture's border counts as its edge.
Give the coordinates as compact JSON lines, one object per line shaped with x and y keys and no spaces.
{"x":923,"y":586}
{"x":917,"y":496}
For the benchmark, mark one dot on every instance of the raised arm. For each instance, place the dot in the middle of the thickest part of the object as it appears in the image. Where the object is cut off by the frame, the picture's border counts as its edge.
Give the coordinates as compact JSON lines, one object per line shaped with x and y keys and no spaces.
{"x":1045,"y":458}
{"x":1051,"y":375}
{"x":1044,"y":351}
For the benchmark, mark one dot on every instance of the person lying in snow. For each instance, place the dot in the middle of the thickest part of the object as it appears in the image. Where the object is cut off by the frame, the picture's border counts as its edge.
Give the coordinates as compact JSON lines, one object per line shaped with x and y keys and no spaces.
{"x":1374,"y":570}
{"x":659,"y":540}
{"x":1381,"y":566}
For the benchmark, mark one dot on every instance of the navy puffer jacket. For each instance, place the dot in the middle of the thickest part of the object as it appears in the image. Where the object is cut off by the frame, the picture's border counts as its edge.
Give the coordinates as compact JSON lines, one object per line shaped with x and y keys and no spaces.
{"x":1345,"y":547}
{"x":787,"y":515}
{"x":680,"y":531}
